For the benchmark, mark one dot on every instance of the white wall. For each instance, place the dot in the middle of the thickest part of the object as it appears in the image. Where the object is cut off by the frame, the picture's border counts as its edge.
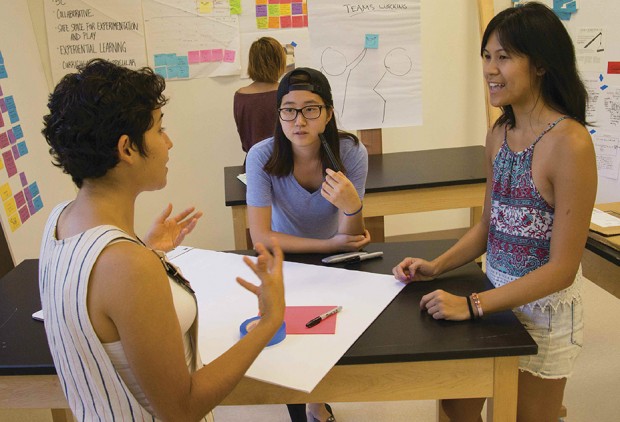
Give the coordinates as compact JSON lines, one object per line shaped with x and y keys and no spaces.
{"x":200,"y":122}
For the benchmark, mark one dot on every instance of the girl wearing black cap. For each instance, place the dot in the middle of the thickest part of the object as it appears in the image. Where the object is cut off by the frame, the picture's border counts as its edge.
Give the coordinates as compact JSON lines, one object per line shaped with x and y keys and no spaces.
{"x":306,"y":193}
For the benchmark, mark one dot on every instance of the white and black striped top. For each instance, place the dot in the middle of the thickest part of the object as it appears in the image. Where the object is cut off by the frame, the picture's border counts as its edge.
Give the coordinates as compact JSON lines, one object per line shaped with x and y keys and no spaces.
{"x":93,"y":387}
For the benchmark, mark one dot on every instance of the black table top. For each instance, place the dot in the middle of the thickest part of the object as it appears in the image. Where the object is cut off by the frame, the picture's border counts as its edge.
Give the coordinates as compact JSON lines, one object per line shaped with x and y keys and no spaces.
{"x":604,"y":251}
{"x":400,"y":333}
{"x":398,"y":171}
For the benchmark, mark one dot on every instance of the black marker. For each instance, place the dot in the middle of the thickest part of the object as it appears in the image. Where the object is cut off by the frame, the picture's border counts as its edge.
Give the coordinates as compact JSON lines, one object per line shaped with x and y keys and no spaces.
{"x":315,"y":321}
{"x":329,"y":152}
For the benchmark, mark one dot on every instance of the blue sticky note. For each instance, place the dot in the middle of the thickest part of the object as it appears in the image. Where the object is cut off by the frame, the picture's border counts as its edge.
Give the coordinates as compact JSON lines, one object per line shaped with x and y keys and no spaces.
{"x":38,"y":203}
{"x":372,"y":41}
{"x":1,"y":58}
{"x":171,"y":59}
{"x":22,"y":148}
{"x":604,"y":87}
{"x":3,"y":73}
{"x":183,"y":71}
{"x":160,"y":60}
{"x":182,"y":61}
{"x":162,"y":71}
{"x":570,"y":7}
{"x":17,"y":130}
{"x":173,"y":72}
{"x":564,"y":16}
{"x":34,"y":189}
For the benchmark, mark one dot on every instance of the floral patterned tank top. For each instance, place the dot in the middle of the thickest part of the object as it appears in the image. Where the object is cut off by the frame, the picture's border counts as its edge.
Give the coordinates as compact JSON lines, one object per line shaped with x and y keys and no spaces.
{"x":521,"y":223}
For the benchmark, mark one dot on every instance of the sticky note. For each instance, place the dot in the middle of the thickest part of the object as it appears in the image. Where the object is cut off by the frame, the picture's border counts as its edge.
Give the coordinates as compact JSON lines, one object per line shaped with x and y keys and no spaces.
{"x":19,"y":133}
{"x":31,"y":207}
{"x":183,"y":71}
{"x":205,"y":56}
{"x":285,"y":22}
{"x":1,"y":93}
{"x":205,"y":7}
{"x":24,"y":215}
{"x":613,"y":68}
{"x":9,"y":163}
{"x":296,"y":8}
{"x":22,"y":148}
{"x":229,"y":56}
{"x":3,"y":73}
{"x":261,"y":11}
{"x":235,"y":7}
{"x":4,"y":140}
{"x":162,"y":71}
{"x":28,"y":194}
{"x":173,"y":72}
{"x":193,"y":57}
{"x":14,"y":222}
{"x":217,"y":54}
{"x":1,"y":120}
{"x":261,"y":1}
{"x":10,"y":206}
{"x":5,"y":191}
{"x":34,"y":189}
{"x":372,"y":41}
{"x":274,"y":22}
{"x":181,"y":61}
{"x":262,"y":23}
{"x":274,"y":10}
{"x":296,"y":318}
{"x":298,"y":21}
{"x":2,"y":105}
{"x":20,"y":199}
{"x":38,"y":203}
{"x":1,"y":58}
{"x":285,"y":9}
{"x":11,"y":135}
{"x":15,"y":151}
{"x":160,"y":59}
{"x":23,"y":179}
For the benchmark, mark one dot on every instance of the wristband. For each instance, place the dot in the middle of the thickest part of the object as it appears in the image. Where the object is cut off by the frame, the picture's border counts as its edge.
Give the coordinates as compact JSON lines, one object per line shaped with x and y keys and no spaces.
{"x":476,"y":300}
{"x":471,"y":311}
{"x":356,"y":212}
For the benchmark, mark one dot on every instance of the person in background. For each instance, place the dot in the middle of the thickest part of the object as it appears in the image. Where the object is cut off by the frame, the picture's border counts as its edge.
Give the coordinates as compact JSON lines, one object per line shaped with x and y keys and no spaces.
{"x":121,"y":321}
{"x":254,"y":105}
{"x":541,"y":186}
{"x":296,"y":193}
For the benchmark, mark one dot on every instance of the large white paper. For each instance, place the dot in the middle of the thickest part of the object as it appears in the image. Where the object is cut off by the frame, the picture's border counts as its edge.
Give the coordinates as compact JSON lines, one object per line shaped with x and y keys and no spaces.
{"x":300,"y":361}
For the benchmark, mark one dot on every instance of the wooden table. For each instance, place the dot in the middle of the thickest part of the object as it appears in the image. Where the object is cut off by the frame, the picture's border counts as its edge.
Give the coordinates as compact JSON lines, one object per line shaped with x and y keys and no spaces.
{"x":397,"y":183}
{"x":403,"y":355}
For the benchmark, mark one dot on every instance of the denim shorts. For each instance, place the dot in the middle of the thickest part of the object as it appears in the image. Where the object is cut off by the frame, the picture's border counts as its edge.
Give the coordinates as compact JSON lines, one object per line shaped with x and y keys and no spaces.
{"x":559,"y":335}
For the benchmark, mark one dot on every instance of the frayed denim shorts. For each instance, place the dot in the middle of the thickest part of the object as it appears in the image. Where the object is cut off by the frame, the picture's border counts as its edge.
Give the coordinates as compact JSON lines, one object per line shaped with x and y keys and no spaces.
{"x":559,"y":335}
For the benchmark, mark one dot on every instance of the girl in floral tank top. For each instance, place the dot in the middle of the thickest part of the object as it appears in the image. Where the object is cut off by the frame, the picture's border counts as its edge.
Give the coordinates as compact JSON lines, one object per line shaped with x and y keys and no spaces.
{"x":541,"y":186}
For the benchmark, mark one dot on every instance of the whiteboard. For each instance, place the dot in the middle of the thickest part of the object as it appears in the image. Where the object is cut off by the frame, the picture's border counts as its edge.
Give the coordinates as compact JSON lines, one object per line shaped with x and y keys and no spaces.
{"x":24,"y":88}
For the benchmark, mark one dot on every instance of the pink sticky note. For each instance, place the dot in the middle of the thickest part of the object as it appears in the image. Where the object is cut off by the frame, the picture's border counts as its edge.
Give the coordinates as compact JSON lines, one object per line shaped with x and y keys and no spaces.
{"x":217,"y":54}
{"x":285,"y":22}
{"x":20,"y":199}
{"x":193,"y":57}
{"x":4,"y":140}
{"x":298,"y":21}
{"x":205,"y":56}
{"x":1,"y":120}
{"x":296,"y":318}
{"x":24,"y":214}
{"x":229,"y":56}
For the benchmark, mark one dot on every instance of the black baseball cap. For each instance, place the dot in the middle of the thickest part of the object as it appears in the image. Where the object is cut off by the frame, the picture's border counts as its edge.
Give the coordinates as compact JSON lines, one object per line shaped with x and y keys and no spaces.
{"x":306,"y":79}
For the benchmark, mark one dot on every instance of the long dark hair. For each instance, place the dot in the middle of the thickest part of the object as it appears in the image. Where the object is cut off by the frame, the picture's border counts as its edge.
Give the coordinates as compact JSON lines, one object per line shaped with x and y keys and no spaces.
{"x":534,"y":31}
{"x":281,"y":161}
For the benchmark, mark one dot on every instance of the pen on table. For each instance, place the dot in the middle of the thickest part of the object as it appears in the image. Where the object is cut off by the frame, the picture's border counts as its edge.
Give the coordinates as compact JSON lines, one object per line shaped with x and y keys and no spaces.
{"x":315,"y":321}
{"x":363,"y":257}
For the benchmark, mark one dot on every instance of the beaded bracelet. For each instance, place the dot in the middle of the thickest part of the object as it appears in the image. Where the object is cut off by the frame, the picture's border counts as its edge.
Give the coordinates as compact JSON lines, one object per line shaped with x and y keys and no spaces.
{"x":471,"y":311}
{"x":476,"y":300}
{"x":356,"y":212}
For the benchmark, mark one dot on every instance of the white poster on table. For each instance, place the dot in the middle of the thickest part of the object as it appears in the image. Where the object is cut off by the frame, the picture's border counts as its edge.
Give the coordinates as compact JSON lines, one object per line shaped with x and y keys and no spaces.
{"x":80,"y":30}
{"x":300,"y":361}
{"x":370,"y":51}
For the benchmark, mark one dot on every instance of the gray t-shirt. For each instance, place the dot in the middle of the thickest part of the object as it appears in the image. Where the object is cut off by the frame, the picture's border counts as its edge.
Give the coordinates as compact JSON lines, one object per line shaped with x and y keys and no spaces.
{"x":294,"y":210}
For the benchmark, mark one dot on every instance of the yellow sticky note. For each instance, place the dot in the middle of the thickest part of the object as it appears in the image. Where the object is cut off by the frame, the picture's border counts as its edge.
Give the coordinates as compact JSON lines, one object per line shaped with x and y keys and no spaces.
{"x":10,"y":206}
{"x":235,"y":7}
{"x":274,"y":10}
{"x":5,"y":191}
{"x":262,"y":23}
{"x":205,"y":7}
{"x":285,"y":9}
{"x":14,"y":222}
{"x":1,"y":163}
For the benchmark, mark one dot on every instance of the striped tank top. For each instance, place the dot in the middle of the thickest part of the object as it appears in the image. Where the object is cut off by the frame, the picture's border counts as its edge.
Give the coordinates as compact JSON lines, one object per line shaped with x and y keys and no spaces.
{"x":521,"y":223}
{"x":94,"y":388}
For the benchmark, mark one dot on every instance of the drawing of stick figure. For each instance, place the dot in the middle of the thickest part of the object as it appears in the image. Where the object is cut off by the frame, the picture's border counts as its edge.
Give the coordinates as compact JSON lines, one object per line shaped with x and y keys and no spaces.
{"x":334,"y":63}
{"x":398,"y":63}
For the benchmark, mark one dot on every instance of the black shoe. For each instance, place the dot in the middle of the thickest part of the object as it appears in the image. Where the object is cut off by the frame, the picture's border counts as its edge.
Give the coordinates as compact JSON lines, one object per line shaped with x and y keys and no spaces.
{"x":331,"y":417}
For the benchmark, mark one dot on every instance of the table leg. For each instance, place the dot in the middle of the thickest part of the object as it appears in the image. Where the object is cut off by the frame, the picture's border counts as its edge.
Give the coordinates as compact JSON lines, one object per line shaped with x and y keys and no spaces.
{"x":503,"y":405}
{"x":441,"y":415}
{"x":240,"y":226}
{"x":62,"y":415}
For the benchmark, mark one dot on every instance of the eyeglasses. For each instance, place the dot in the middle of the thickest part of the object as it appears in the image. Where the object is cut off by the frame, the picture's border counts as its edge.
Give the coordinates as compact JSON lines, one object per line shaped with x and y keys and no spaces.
{"x":311,"y":112}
